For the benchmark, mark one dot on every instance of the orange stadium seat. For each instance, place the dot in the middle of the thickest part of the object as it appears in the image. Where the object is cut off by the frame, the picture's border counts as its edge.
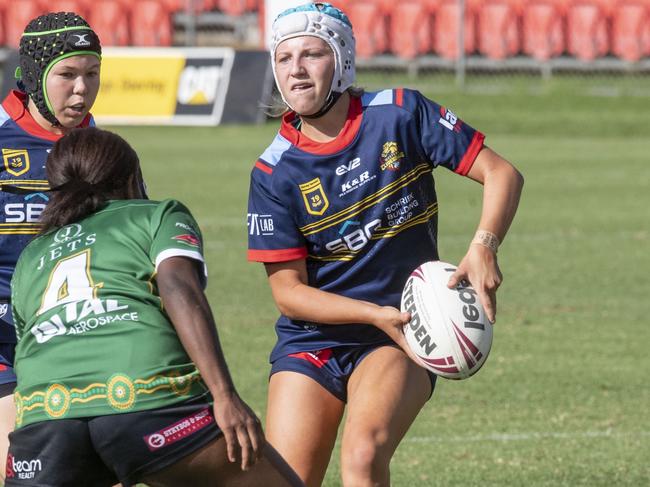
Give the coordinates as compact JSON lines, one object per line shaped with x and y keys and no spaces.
{"x":410,"y":30}
{"x":175,"y":5}
{"x":369,"y":28}
{"x":543,"y":29}
{"x":109,"y":19}
{"x":445,"y":31}
{"x":631,"y":30}
{"x":75,"y":6}
{"x":198,"y":6}
{"x":498,"y":29}
{"x":386,"y":7}
{"x":587,"y":33}
{"x":430,"y":5}
{"x":344,"y":4}
{"x":151,"y":24}
{"x":236,"y":7}
{"x":17,"y":15}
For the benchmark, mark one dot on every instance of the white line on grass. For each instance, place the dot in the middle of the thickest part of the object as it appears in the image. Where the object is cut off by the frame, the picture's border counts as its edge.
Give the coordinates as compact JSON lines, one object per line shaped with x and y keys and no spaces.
{"x":506,"y":437}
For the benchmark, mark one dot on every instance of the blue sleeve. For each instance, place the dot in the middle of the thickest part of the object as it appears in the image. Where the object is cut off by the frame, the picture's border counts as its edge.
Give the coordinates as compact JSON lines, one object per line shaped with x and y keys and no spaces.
{"x":273,"y":235}
{"x":446,"y":139}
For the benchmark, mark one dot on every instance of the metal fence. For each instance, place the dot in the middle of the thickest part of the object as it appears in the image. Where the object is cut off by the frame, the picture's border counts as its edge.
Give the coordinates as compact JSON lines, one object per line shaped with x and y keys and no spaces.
{"x":603,"y":43}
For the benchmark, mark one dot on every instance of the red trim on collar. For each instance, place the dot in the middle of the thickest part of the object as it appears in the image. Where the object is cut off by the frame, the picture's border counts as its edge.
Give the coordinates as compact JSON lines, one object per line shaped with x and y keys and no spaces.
{"x":342,"y":140}
{"x":16,"y":107}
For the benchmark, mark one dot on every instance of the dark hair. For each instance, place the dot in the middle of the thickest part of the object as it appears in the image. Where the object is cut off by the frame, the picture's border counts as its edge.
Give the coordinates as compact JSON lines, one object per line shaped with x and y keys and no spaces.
{"x":86,"y":168}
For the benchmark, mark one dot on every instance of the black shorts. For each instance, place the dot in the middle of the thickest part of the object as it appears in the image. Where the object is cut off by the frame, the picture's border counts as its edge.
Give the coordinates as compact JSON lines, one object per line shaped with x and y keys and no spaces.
{"x":103,"y":450}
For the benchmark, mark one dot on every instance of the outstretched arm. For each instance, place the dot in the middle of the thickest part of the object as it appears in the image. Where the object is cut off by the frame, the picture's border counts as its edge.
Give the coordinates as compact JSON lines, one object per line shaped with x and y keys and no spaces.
{"x":296,"y":299}
{"x":183,"y":298}
{"x":502,"y":185}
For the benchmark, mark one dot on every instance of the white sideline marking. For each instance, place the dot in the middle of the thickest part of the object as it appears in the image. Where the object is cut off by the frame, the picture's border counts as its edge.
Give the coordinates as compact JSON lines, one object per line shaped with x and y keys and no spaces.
{"x":506,"y":437}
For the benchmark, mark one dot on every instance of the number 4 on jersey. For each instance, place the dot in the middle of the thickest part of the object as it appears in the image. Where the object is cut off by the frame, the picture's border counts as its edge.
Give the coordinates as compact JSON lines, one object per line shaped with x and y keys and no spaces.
{"x":70,"y":281}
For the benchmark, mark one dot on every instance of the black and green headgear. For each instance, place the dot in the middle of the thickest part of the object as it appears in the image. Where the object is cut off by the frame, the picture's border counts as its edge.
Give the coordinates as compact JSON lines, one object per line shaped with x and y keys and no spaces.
{"x":47,"y":40}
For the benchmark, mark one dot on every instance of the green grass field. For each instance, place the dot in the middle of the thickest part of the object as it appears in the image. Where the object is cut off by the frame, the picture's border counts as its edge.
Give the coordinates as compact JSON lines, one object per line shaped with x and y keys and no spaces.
{"x":563,"y":399}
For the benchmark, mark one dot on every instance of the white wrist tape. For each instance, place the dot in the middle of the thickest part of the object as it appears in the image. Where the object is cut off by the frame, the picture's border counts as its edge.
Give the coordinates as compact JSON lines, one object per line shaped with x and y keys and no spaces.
{"x":487,"y":239}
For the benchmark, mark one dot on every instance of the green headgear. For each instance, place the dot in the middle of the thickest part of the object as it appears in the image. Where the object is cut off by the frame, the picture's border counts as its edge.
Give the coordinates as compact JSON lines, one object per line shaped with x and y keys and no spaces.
{"x":47,"y":40}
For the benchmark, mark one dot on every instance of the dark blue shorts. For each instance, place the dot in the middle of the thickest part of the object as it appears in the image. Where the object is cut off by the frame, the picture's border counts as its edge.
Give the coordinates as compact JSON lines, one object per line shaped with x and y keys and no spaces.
{"x":330,"y":367}
{"x":7,"y":350}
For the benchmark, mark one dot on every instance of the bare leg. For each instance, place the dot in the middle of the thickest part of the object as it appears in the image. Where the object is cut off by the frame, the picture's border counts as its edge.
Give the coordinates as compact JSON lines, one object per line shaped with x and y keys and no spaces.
{"x":302,"y":423}
{"x":385,"y":394}
{"x":7,"y":420}
{"x":209,"y":467}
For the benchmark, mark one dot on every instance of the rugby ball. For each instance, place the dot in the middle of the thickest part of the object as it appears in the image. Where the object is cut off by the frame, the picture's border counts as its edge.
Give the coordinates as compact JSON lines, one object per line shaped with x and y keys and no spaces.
{"x":449,"y":331}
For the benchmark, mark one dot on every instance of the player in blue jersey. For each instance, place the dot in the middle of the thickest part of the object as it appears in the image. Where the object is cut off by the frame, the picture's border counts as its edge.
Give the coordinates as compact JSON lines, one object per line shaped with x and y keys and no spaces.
{"x":58,"y":80}
{"x":342,"y":208}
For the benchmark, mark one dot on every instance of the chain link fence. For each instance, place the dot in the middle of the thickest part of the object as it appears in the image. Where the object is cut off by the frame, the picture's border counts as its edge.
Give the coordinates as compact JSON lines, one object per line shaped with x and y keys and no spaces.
{"x":601,"y":47}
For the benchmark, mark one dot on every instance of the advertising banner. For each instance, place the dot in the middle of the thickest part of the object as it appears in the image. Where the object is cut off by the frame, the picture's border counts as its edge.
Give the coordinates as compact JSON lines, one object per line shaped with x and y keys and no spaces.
{"x":178,"y":86}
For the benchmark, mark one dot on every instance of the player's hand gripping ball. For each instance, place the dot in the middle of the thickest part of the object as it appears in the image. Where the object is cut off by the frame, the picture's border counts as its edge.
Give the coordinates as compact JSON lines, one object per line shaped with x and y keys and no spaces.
{"x":449,"y":331}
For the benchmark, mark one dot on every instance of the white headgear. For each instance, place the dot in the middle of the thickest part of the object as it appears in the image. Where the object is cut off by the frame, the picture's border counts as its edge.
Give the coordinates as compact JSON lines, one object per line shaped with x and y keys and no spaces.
{"x":328,"y":23}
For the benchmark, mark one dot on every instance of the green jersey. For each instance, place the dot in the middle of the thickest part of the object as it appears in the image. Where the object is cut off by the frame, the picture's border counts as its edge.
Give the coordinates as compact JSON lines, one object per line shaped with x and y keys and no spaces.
{"x":93,"y":338}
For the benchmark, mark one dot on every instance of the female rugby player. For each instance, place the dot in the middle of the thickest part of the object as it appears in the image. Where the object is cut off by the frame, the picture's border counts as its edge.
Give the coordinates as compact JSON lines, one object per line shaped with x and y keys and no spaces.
{"x":342,"y":208}
{"x":58,"y":81}
{"x":120,"y":373}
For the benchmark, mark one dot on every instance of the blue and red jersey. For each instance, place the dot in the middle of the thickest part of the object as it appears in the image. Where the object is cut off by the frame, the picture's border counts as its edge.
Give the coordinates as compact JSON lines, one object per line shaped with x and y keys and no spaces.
{"x":23,"y":184}
{"x":361,"y":209}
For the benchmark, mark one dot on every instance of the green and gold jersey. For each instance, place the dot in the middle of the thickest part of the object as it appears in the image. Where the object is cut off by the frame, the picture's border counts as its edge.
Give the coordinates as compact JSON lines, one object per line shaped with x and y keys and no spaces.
{"x":93,"y":338}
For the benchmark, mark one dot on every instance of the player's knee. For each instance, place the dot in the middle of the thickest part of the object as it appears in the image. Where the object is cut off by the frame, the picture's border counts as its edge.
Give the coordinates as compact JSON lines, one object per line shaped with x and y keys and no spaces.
{"x":365,"y":457}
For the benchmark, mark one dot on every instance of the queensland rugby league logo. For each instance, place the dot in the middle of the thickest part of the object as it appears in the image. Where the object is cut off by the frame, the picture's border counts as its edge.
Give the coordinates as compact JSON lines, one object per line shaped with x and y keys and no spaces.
{"x":16,"y":161}
{"x":314,"y":197}
{"x":391,"y":156}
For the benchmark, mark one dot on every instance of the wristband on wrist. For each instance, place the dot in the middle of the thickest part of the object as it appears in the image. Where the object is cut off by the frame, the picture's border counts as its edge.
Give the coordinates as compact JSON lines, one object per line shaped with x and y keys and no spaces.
{"x":487,"y":239}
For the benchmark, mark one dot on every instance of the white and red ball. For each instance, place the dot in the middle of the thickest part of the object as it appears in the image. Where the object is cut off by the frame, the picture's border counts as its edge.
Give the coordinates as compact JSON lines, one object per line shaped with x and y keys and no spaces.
{"x":449,"y":331}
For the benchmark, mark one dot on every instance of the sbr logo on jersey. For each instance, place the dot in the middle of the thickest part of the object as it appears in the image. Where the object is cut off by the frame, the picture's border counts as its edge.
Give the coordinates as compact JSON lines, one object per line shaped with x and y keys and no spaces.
{"x":391,"y":156}
{"x":16,"y":161}
{"x":260,"y":224}
{"x":450,"y":120}
{"x":354,"y":240}
{"x":28,"y":212}
{"x":345,"y":168}
{"x":313,"y":195}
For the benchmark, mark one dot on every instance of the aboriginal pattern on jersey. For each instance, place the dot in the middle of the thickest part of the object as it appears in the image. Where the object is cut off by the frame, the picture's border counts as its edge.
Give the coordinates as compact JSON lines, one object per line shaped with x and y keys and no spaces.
{"x":120,"y":392}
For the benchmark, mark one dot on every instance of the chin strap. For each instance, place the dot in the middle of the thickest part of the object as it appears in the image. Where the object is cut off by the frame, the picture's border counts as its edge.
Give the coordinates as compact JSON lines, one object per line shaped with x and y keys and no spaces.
{"x":331,"y":100}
